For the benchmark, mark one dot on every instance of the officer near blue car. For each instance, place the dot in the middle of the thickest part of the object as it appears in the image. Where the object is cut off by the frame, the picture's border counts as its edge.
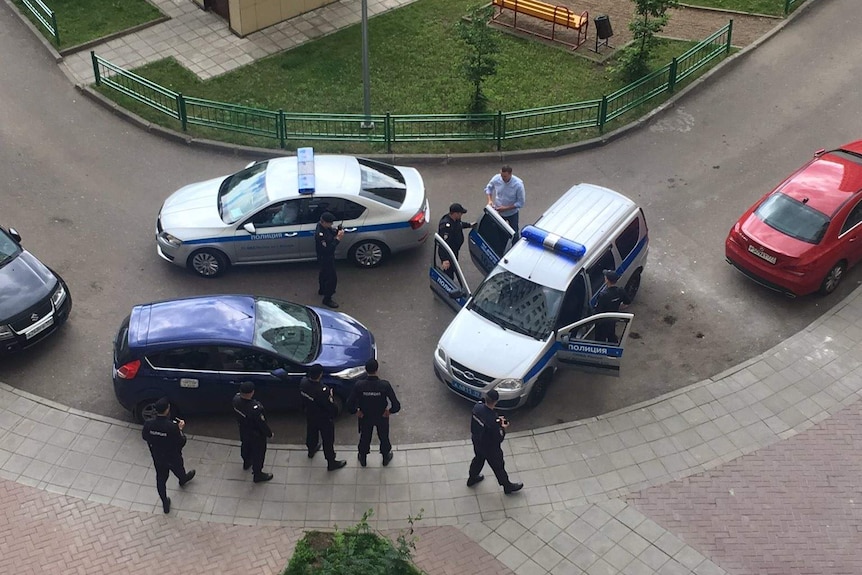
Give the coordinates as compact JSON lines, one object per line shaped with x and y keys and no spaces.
{"x":164,"y":435}
{"x":373,"y":400}
{"x":320,"y":411}
{"x":326,"y":239}
{"x":254,"y":431}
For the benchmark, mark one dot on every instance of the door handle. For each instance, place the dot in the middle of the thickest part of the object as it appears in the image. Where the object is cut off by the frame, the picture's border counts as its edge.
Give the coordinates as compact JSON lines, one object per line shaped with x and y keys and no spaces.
{"x":291,"y":234}
{"x":348,"y":230}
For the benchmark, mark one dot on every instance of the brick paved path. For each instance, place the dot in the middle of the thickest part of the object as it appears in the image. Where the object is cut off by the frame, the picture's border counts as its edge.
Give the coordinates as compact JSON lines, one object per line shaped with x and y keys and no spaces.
{"x":794,"y":507}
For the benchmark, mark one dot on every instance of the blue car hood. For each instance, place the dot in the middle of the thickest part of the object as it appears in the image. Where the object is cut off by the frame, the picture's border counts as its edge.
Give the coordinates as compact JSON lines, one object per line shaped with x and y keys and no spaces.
{"x":345,"y":342}
{"x":24,"y":282}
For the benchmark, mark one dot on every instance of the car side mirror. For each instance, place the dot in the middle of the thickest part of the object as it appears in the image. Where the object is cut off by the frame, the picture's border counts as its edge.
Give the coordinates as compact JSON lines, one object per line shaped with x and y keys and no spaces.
{"x":249,"y":227}
{"x":279,"y":373}
{"x":15,"y":235}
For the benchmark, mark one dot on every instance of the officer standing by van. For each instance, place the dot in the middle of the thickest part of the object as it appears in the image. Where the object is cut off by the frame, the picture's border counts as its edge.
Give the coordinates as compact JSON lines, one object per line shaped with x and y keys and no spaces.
{"x":506,"y":195}
{"x":488,"y":431}
{"x":253,"y":431}
{"x":166,"y":440}
{"x":373,"y":400}
{"x":611,"y":299}
{"x":451,"y":229}
{"x":326,"y":240}
{"x":320,"y":411}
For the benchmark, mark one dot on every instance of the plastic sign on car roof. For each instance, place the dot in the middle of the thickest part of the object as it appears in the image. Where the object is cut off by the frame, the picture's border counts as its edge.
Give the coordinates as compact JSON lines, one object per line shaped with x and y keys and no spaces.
{"x":305,"y":170}
{"x":557,"y":244}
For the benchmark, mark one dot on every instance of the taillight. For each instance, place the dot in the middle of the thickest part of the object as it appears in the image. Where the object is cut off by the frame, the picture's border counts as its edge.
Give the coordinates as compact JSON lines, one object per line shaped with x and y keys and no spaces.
{"x":129,"y":370}
{"x":418,"y":220}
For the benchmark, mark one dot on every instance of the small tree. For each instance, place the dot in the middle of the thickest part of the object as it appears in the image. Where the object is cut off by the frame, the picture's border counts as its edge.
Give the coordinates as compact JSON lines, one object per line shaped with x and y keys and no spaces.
{"x":479,"y":61}
{"x":651,"y":17}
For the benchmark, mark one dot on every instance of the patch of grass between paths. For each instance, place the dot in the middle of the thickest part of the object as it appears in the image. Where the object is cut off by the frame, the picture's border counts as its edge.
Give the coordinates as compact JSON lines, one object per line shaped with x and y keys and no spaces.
{"x":769,"y":7}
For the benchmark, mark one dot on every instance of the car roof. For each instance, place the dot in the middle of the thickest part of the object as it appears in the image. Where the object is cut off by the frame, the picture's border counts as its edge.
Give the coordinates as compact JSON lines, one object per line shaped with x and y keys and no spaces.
{"x":586,"y":214}
{"x":829,"y":180}
{"x":196,"y":319}
{"x":332,"y":174}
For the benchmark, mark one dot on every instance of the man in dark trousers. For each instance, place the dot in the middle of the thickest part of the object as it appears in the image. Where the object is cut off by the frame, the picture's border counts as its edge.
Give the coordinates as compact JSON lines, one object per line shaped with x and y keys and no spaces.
{"x":611,"y":299}
{"x":253,"y":431}
{"x":488,"y":430}
{"x":326,"y":239}
{"x":373,"y":400}
{"x":451,"y":229}
{"x":320,"y":411}
{"x":166,"y":440}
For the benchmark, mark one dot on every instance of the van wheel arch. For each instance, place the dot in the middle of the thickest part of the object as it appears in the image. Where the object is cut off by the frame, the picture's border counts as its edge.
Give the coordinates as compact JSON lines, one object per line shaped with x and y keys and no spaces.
{"x":540,"y":387}
{"x":634,"y":284}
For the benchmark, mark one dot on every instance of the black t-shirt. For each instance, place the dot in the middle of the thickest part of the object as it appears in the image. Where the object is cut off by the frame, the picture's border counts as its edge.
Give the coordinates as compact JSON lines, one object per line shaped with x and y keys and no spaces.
{"x":611,"y":298}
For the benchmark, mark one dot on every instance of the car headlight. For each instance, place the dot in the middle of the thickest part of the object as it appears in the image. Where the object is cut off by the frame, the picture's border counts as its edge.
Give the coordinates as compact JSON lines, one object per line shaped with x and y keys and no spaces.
{"x":168,"y":238}
{"x":59,"y":295}
{"x":6,"y":332}
{"x":350,"y":372}
{"x":510,"y":384}
{"x":441,"y":355}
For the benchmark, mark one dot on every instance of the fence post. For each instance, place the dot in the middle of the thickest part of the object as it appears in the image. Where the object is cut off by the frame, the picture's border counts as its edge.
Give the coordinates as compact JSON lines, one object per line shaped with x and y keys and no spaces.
{"x":500,"y":129}
{"x":56,"y":30}
{"x":729,"y":35}
{"x":671,"y":81}
{"x":281,"y":126}
{"x":181,"y":109}
{"x":603,"y":113}
{"x":95,"y":60}
{"x":388,"y":131}
{"x":786,"y":7}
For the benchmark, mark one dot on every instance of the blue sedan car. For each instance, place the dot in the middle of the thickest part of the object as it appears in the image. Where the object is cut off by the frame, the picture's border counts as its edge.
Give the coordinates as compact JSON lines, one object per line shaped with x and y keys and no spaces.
{"x":196,"y":351}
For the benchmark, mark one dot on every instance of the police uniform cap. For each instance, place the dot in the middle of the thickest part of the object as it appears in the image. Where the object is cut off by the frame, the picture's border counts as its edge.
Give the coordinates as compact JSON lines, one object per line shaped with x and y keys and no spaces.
{"x":492,"y":395}
{"x":456,"y":207}
{"x":327,"y":217}
{"x":611,"y":275}
{"x":162,"y":405}
{"x":246,"y":387}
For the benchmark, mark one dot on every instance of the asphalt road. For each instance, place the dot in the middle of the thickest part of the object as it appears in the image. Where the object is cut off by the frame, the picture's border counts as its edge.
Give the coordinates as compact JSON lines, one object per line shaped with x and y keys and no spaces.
{"x":83,"y":188}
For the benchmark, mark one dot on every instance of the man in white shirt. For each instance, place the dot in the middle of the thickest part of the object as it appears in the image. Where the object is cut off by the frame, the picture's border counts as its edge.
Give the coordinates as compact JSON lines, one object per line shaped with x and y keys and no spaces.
{"x":506,"y":195}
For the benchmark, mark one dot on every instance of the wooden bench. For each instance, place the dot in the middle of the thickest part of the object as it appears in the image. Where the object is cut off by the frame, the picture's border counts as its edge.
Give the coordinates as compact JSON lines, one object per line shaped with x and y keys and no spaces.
{"x":555,"y":15}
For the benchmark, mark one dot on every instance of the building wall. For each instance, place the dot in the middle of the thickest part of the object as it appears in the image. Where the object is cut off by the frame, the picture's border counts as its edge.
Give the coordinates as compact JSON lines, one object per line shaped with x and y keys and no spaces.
{"x":247,"y":16}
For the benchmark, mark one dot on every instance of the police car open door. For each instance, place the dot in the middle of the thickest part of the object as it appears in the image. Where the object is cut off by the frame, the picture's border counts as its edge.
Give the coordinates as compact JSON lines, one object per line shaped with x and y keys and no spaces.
{"x":489,"y":240}
{"x":594,"y":344}
{"x":449,"y":285}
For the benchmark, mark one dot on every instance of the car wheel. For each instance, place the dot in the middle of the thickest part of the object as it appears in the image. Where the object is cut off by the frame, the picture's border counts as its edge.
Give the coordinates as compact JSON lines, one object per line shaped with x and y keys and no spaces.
{"x":833,"y":278}
{"x":145,"y":410}
{"x":633,"y":285}
{"x":208,"y":263}
{"x":368,"y":253}
{"x":540,"y":389}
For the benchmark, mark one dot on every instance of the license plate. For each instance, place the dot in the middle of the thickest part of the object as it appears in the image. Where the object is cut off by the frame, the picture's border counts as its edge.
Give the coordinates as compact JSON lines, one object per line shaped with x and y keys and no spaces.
{"x":36,"y":331}
{"x":467,"y":390}
{"x":762,"y":255}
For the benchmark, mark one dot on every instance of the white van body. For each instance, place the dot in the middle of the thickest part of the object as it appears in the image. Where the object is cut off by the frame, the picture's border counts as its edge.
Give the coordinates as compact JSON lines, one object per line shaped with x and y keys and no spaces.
{"x":533,"y":312}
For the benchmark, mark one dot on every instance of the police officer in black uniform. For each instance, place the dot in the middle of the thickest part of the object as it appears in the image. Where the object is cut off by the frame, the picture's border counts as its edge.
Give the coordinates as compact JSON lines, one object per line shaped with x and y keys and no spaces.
{"x":166,"y":440}
{"x":488,"y":430}
{"x":253,"y":431}
{"x":326,"y":240}
{"x":374,"y":400}
{"x":320,"y":411}
{"x":611,"y":299}
{"x":451,"y":229}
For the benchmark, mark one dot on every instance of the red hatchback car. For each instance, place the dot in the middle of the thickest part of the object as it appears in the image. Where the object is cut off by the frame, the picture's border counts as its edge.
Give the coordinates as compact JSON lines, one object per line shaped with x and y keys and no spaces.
{"x":803,"y":236}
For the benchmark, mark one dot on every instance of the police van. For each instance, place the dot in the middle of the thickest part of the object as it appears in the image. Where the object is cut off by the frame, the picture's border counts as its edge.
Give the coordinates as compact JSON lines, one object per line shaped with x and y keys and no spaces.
{"x":533,"y":312}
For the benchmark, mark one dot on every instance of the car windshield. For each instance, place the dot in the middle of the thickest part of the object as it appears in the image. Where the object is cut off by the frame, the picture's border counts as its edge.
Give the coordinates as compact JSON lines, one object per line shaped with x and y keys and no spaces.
{"x":382,"y":183}
{"x":288,"y":329}
{"x":793,"y":218}
{"x":242,"y":193}
{"x":9,"y":248}
{"x":516,"y":303}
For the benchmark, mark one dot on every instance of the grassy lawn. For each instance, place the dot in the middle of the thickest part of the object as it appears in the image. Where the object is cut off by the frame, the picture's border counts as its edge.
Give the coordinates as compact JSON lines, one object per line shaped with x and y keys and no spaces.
{"x":80,"y":21}
{"x":772,"y":7}
{"x":414,"y":55}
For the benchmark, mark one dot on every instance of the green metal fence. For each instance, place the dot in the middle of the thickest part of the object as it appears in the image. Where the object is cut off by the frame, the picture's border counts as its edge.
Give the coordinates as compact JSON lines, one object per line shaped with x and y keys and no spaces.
{"x":787,"y":5}
{"x":390,"y":129}
{"x":45,"y":16}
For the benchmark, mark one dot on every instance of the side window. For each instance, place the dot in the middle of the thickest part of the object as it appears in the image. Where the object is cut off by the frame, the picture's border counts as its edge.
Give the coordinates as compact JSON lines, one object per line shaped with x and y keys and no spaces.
{"x":574,"y":302}
{"x":247,"y":360}
{"x":281,"y":214}
{"x":492,"y":233}
{"x":194,"y":358}
{"x":606,"y":262}
{"x":629,"y":238}
{"x":340,"y":208}
{"x":853,"y":219}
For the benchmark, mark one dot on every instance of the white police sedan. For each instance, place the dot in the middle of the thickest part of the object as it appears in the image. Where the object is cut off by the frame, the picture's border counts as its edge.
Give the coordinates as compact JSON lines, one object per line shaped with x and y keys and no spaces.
{"x":266,"y":213}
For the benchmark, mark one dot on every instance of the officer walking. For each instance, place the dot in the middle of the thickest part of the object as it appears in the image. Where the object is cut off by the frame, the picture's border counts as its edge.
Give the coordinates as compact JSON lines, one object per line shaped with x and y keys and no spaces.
{"x":326,"y":240}
{"x":611,"y":299}
{"x":451,"y":229}
{"x":253,"y":431}
{"x":166,"y":440}
{"x":488,"y":431}
{"x":320,"y":410}
{"x":373,"y":400}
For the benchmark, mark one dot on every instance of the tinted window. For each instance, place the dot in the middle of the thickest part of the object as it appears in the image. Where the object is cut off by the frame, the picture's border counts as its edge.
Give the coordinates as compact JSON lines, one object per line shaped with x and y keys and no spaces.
{"x":9,"y":248}
{"x":247,"y":360}
{"x":793,"y":218}
{"x":606,"y":262}
{"x":281,"y":214}
{"x":341,"y":208}
{"x":193,"y":358}
{"x":517,"y":303}
{"x":853,"y":219}
{"x":493,"y":233}
{"x":629,"y":238}
{"x":382,"y":183}
{"x":242,"y":193}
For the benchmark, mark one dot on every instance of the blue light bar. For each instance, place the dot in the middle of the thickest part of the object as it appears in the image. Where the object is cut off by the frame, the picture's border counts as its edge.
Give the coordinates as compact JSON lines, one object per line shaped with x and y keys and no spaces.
{"x":568,"y":248}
